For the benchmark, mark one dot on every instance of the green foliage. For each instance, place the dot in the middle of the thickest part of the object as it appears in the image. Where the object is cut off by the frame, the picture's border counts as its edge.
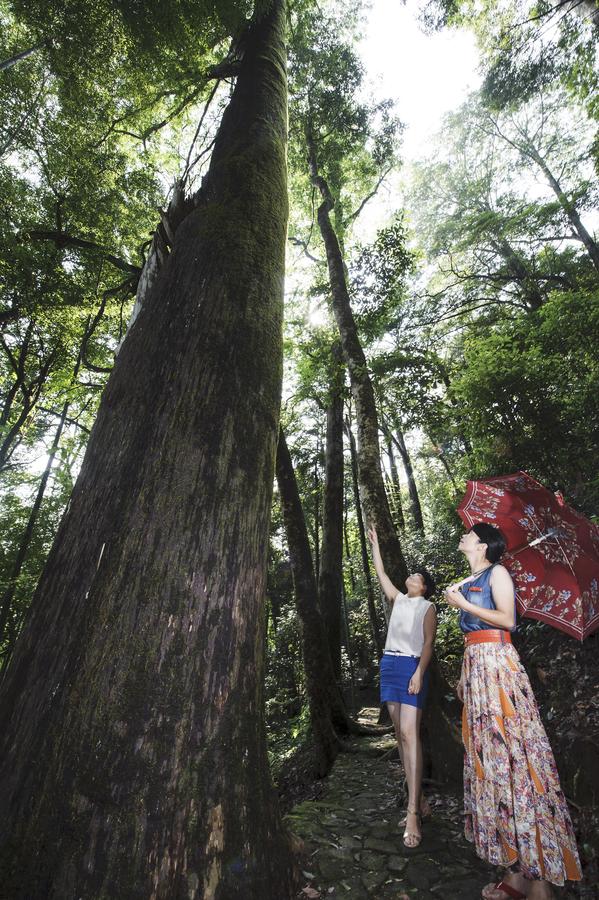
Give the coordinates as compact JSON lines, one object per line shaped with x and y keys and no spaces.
{"x":530,"y":386}
{"x":379,"y":274}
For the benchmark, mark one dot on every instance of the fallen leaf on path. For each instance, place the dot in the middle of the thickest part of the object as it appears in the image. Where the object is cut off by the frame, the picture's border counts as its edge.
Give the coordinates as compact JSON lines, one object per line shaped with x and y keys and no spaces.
{"x":311,"y":893}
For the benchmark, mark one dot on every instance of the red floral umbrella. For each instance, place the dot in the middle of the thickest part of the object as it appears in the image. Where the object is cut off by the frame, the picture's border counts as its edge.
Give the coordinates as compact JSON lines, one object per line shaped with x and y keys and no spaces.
{"x":552,"y":550}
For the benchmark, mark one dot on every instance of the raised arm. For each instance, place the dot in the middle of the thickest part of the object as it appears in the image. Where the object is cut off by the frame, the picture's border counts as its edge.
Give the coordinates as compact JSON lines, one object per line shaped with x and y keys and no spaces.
{"x":387,"y":585}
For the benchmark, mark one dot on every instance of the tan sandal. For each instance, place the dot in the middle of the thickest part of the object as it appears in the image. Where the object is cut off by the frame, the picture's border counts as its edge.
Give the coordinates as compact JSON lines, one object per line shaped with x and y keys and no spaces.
{"x":426,"y":812}
{"x":412,"y":836}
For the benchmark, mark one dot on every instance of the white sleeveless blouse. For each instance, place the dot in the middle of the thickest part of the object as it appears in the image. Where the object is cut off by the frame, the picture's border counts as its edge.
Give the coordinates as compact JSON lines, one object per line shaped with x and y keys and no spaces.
{"x":405,"y":633}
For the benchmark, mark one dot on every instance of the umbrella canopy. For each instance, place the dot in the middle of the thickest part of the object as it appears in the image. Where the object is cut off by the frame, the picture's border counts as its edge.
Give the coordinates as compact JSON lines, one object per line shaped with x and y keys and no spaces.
{"x":552,"y":550}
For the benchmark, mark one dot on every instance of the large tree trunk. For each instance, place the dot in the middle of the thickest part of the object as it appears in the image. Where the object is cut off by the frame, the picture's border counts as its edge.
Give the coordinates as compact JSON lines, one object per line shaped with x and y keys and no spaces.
{"x":330,"y":576}
{"x":372,"y":486}
{"x":321,"y":687}
{"x":132,"y":741}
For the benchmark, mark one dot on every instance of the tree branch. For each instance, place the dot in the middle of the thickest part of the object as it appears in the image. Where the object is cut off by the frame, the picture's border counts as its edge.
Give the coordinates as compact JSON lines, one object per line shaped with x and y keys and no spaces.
{"x":369,"y":196}
{"x":62,"y":239}
{"x":299,"y":243}
{"x":7,"y":63}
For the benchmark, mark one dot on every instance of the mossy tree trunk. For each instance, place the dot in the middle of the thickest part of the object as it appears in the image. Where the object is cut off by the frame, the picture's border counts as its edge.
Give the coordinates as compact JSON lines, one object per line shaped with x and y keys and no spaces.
{"x":330,"y":576}
{"x":323,"y":694}
{"x":132,"y":751}
{"x":372,"y":486}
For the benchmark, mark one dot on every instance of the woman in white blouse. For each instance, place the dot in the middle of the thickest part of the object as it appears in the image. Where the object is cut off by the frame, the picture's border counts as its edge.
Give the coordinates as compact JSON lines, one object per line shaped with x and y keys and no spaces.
{"x":404,"y":676}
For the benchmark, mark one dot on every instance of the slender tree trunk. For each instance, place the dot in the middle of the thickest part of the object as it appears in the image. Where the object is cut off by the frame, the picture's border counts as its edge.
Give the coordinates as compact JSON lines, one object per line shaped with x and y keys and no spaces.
{"x":30,"y":392}
{"x":26,"y":537}
{"x":413,"y":490}
{"x":568,"y":207}
{"x":396,"y":486}
{"x":132,"y":743}
{"x":348,"y":554}
{"x":372,"y":613}
{"x":320,"y":678}
{"x":372,"y":487}
{"x":444,"y":462}
{"x":7,"y":63}
{"x":330,"y":576}
{"x":316,"y":495}
{"x":18,"y":366}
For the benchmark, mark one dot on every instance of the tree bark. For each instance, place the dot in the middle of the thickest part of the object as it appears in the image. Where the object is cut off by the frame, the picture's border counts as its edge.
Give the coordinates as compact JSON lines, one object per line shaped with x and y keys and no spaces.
{"x":568,"y":207}
{"x":372,"y":613}
{"x":316,"y":496}
{"x":320,"y":678}
{"x":132,"y":744}
{"x":372,"y":486}
{"x":415,"y":507}
{"x":395,"y":484}
{"x":7,"y":63}
{"x":330,"y":576}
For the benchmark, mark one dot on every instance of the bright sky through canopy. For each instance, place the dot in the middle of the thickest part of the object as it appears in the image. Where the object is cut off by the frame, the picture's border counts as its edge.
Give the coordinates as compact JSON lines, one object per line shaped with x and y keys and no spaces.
{"x":426,"y":74}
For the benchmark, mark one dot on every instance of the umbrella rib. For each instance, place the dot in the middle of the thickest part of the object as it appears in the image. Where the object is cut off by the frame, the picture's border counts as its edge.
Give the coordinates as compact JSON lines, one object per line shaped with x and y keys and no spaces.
{"x":565,"y":557}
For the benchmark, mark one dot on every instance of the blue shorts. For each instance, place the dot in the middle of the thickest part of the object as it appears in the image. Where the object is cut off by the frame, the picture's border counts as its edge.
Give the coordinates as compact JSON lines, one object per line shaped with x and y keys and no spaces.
{"x":396,"y":672}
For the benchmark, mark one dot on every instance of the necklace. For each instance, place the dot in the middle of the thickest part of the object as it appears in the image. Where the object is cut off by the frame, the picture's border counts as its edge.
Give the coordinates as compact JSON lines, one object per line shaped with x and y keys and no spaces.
{"x":480,"y":571}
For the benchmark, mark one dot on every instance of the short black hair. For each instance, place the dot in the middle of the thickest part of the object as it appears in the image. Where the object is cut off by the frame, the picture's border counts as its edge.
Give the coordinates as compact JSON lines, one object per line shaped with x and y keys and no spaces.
{"x":429,"y":582}
{"x":493,"y":538}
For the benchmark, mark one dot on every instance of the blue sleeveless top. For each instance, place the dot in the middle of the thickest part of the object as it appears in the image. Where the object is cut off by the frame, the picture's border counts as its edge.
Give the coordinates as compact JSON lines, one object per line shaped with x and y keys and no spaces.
{"x":478,"y":591}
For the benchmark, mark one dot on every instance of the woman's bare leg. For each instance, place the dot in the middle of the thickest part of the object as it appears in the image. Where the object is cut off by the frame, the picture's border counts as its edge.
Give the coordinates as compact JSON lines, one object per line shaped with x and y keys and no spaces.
{"x":409,"y":726}
{"x":395,"y":712}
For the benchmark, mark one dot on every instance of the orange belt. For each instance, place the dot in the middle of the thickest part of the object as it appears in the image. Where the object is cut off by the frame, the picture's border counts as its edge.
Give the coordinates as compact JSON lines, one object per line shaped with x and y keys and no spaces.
{"x":488,"y":635}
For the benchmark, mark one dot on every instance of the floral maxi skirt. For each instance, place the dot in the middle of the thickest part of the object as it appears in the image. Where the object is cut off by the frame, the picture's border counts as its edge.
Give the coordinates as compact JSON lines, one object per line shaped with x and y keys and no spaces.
{"x":516,"y":813}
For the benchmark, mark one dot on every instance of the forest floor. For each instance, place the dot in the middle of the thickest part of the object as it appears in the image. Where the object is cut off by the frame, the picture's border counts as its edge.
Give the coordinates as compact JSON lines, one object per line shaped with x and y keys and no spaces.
{"x":353,"y":847}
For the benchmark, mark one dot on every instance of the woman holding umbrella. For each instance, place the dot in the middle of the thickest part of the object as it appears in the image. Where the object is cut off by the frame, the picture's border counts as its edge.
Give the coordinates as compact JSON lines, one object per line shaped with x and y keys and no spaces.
{"x":516,"y":813}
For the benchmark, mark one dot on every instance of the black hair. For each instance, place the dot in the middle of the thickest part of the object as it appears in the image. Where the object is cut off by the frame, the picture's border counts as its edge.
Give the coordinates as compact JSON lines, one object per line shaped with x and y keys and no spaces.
{"x":493,"y":538}
{"x":429,"y":582}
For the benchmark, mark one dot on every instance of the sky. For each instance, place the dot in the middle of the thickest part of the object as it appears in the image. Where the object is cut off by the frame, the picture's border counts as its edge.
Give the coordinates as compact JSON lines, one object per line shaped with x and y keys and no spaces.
{"x":427,"y":74}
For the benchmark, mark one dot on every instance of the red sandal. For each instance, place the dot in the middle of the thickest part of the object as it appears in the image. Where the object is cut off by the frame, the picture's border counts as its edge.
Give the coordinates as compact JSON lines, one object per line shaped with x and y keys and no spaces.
{"x":509,"y":890}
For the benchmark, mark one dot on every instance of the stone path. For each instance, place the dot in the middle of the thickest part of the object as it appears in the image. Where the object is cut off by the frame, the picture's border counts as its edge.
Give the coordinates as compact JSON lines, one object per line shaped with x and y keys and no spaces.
{"x":353,"y":840}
